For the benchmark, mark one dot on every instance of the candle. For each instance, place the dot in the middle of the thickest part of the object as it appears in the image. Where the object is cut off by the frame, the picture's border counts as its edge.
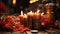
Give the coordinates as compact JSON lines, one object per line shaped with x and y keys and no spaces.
{"x":25,"y":16}
{"x":37,"y":19}
{"x":21,"y":17}
{"x":30,"y":17}
{"x":30,"y":13}
{"x":37,"y":14}
{"x":25,"y":20}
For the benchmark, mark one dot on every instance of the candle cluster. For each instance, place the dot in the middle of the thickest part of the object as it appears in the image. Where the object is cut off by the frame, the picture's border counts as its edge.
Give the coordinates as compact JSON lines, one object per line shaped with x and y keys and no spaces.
{"x":23,"y":22}
{"x":33,"y":20}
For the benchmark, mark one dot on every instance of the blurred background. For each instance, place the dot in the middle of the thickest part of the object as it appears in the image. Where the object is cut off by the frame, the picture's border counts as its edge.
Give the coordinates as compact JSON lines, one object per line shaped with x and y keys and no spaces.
{"x":50,"y":9}
{"x":15,"y":6}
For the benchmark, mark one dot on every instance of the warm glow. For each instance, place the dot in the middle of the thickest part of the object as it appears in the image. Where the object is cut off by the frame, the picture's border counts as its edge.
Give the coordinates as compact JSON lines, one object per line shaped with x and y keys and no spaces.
{"x":14,"y":2}
{"x":42,"y":24}
{"x":32,"y":1}
{"x":38,"y":11}
{"x":42,"y":14}
{"x":30,"y":12}
{"x":25,"y":15}
{"x":21,"y":13}
{"x":48,"y":12}
{"x":35,"y":13}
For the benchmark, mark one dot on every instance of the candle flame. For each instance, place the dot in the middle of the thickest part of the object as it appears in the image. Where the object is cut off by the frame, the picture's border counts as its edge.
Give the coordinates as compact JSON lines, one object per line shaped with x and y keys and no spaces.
{"x":30,"y":11}
{"x":42,"y":14}
{"x":35,"y":12}
{"x":22,"y":13}
{"x":38,"y":11}
{"x":25,"y":15}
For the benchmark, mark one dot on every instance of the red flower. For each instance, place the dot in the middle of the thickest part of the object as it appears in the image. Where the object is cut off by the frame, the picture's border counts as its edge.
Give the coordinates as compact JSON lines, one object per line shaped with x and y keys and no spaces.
{"x":9,"y":18}
{"x":9,"y":21}
{"x":8,"y":25}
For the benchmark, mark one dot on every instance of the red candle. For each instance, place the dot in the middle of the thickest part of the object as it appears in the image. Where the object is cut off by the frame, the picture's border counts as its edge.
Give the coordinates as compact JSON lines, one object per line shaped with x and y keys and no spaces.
{"x":21,"y":17}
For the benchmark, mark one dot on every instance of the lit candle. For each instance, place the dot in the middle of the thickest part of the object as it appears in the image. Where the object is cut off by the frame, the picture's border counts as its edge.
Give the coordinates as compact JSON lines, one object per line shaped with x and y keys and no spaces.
{"x":21,"y":17}
{"x":37,"y":14}
{"x":30,"y":17}
{"x":25,"y":20}
{"x":30,"y":13}
{"x":37,"y":19}
{"x":25,"y":16}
